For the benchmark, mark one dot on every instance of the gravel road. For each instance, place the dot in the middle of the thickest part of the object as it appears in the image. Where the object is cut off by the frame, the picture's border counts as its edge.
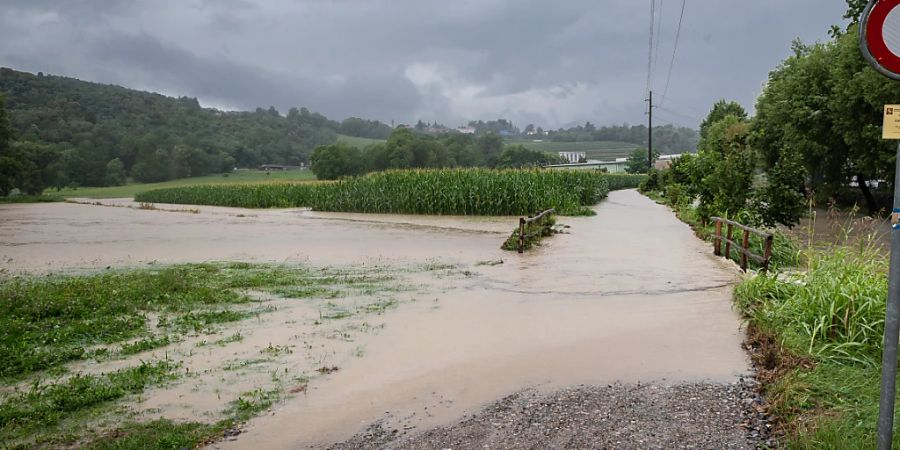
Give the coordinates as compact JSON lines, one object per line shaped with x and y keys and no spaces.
{"x":618,"y":416}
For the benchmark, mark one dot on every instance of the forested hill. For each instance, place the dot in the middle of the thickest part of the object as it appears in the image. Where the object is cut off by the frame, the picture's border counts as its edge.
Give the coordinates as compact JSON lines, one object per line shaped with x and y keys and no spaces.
{"x":154,"y":137}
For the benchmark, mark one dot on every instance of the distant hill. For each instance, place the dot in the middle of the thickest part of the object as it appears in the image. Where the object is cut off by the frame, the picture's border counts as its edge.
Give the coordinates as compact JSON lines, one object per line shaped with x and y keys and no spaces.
{"x":155,"y":137}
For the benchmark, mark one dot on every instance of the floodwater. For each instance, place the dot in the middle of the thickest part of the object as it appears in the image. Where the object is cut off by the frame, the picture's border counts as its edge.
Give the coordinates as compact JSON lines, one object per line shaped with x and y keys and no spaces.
{"x":824,"y":228}
{"x":58,"y":236}
{"x":627,"y":295}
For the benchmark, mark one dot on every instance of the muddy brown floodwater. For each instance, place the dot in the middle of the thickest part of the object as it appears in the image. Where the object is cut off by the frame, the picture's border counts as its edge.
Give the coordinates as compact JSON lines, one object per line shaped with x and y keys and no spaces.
{"x":628,"y":295}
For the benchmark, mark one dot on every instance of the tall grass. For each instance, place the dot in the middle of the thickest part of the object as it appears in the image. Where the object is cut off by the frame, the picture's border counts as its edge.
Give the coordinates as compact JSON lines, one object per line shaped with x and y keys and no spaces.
{"x":438,"y":192}
{"x":833,"y":311}
{"x":829,"y":313}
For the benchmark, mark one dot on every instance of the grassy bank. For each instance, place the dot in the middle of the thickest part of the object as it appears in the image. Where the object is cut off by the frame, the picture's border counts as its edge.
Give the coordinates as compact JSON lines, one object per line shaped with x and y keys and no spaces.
{"x":237,"y":177}
{"x":112,"y":318}
{"x":439,"y":192}
{"x":822,"y":367}
{"x":815,"y":328}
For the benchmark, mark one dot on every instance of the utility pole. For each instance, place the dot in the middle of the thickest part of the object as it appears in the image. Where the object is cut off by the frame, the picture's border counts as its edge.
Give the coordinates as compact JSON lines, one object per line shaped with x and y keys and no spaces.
{"x":650,"y":133}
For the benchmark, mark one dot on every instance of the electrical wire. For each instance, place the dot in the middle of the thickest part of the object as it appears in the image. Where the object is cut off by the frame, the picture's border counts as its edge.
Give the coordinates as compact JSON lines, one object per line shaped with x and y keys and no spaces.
{"x":674,"y":51}
{"x":659,"y":22}
{"x":650,"y":50}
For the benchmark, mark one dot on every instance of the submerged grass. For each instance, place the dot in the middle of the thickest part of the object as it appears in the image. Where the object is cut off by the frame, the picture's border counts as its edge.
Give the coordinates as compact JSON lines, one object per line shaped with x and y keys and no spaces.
{"x":438,"y":192}
{"x":48,"y":321}
{"x":45,"y":405}
{"x":168,"y":434}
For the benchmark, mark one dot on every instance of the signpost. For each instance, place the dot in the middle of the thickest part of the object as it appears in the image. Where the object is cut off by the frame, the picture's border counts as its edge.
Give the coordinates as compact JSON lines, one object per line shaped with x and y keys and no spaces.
{"x":879,"y":33}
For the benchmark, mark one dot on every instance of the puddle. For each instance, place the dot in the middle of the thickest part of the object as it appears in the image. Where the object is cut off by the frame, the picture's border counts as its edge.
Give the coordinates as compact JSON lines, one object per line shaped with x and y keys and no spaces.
{"x":628,"y":295}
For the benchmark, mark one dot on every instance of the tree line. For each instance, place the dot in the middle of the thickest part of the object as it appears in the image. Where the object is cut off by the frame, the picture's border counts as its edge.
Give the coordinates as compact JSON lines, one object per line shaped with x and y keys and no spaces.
{"x":667,"y":139}
{"x":406,"y":149}
{"x":816,"y":136}
{"x":91,"y":134}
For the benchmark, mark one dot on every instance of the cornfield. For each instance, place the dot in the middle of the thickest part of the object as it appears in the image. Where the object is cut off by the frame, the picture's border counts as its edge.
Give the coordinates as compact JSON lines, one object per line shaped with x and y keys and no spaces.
{"x":436,"y":192}
{"x":266,"y":195}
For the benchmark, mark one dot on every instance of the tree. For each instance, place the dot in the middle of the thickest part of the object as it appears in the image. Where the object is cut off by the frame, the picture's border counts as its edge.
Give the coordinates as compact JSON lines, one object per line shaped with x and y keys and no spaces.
{"x":825,"y":103}
{"x":855,"y":9}
{"x":115,"y":172}
{"x":490,"y":146}
{"x":720,"y":110}
{"x":155,"y":137}
{"x":33,"y":163}
{"x":519,"y":156}
{"x":637,"y":161}
{"x":9,"y":166}
{"x":723,"y":172}
{"x":782,"y":200}
{"x":330,"y":162}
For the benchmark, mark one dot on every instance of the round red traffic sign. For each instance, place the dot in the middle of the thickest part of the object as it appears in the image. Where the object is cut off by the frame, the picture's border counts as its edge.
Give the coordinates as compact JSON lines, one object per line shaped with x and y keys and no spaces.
{"x":880,"y":36}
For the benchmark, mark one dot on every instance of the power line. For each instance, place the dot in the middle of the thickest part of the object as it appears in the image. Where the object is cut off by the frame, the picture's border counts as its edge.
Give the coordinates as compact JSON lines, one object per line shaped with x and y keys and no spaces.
{"x":659,"y":22}
{"x":676,"y":113}
{"x":671,"y":121}
{"x":650,"y":49}
{"x":684,"y":106}
{"x":674,"y":51}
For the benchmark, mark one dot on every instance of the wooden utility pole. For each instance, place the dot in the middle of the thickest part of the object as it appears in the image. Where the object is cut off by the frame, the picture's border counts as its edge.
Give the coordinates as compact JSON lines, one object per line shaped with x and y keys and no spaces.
{"x":650,"y":134}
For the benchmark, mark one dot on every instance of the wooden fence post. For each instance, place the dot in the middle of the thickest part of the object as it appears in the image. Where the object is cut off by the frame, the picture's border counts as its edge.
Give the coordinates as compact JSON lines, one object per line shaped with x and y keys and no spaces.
{"x":717,"y":250}
{"x":521,"y":235}
{"x":768,"y":253}
{"x":746,"y":246}
{"x":728,"y":242}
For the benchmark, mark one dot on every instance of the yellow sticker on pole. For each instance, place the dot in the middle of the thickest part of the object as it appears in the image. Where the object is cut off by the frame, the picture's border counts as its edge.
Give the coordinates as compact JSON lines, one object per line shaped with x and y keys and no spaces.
{"x":891,"y":128}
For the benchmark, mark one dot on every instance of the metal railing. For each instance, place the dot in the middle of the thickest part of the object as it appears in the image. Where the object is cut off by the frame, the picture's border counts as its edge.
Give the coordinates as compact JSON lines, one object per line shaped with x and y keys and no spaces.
{"x":742,"y":247}
{"x":524,"y":222}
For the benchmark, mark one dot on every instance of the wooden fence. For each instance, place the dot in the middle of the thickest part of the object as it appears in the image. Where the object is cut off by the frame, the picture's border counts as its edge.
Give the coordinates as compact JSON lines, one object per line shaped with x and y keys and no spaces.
{"x":742,"y":247}
{"x":523,"y":224}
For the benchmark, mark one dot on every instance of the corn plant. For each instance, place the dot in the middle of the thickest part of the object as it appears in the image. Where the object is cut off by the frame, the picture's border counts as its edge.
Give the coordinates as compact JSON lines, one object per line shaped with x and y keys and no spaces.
{"x":433,"y":191}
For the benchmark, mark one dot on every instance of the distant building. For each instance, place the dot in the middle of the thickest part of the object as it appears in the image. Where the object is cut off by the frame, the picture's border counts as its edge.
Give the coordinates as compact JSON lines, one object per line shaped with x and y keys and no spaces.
{"x":270,"y":167}
{"x":603,"y":166}
{"x":466,"y":130}
{"x":574,"y":157}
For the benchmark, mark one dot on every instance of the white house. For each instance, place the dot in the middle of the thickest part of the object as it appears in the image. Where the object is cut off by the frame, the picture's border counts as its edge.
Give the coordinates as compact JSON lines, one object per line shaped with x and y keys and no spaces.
{"x":573,"y":157}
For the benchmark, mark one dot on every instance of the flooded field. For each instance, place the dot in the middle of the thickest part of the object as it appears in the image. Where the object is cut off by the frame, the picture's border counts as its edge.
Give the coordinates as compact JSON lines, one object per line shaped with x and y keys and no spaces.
{"x":822,"y":228}
{"x":627,"y":295}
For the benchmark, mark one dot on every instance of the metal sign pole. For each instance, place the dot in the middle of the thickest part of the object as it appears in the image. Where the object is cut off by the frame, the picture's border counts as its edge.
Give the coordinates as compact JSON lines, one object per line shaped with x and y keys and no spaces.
{"x":891,"y":328}
{"x":879,"y":28}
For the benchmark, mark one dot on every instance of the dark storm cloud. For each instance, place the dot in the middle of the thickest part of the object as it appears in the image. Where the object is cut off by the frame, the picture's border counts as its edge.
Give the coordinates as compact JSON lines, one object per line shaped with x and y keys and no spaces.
{"x":530,"y":61}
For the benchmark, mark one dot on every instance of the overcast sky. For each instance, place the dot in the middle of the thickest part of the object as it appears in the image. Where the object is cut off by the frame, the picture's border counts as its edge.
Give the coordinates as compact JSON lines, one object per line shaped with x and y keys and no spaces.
{"x":547,"y":63}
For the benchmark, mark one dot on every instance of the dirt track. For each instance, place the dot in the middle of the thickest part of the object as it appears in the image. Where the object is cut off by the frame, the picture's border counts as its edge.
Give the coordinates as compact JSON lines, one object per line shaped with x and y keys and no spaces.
{"x":628,"y":296}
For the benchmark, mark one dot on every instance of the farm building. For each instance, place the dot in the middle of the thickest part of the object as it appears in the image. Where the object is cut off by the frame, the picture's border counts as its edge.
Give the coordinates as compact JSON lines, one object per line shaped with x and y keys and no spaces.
{"x":574,"y":157}
{"x":609,"y":166}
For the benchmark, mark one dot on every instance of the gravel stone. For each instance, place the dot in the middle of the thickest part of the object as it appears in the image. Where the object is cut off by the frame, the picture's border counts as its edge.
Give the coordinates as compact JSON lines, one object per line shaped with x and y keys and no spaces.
{"x":616,"y":416}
